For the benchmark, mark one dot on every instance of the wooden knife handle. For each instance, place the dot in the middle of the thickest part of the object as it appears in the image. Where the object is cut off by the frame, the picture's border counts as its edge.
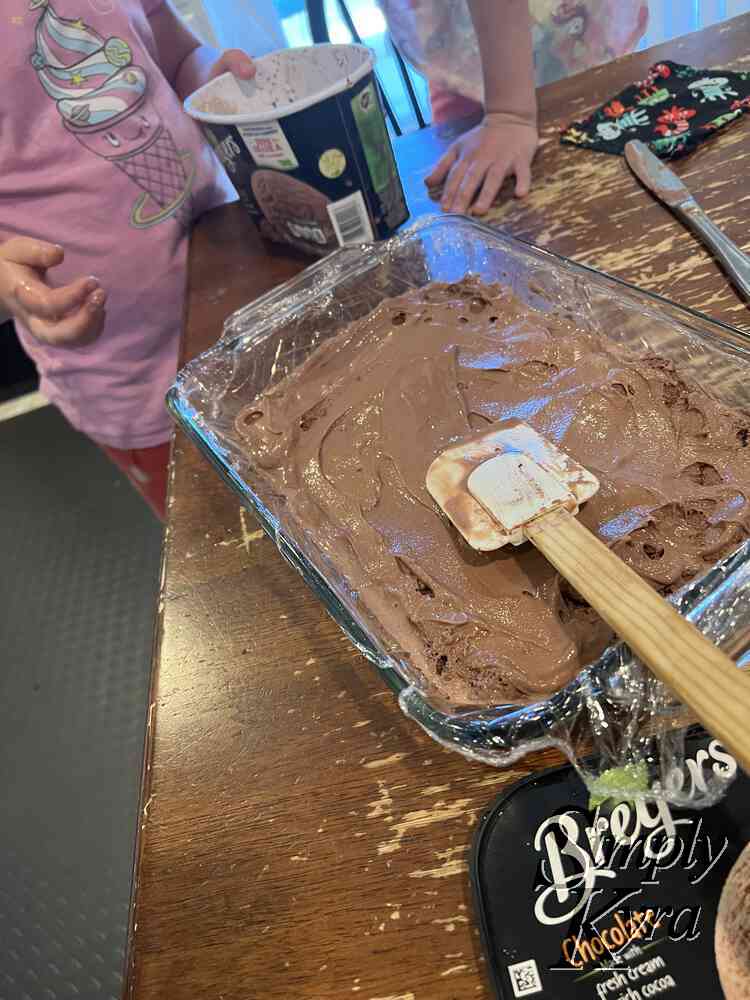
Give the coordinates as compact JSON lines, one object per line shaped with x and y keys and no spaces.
{"x":699,"y":673}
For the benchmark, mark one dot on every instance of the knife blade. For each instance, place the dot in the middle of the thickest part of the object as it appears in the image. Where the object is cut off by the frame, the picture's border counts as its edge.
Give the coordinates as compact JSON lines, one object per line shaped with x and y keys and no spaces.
{"x":654,"y":174}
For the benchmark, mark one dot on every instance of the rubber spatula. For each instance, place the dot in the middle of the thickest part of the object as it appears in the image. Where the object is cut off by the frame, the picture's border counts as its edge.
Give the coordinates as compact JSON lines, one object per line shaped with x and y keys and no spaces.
{"x":510,"y":485}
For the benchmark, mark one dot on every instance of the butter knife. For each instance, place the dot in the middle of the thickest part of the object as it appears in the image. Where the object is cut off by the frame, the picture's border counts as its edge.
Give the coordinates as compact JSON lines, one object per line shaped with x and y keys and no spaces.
{"x":668,"y":187}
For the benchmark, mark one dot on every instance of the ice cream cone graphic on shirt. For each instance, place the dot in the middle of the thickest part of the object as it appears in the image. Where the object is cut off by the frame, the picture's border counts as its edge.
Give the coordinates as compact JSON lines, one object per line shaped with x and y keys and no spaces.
{"x":103,"y":100}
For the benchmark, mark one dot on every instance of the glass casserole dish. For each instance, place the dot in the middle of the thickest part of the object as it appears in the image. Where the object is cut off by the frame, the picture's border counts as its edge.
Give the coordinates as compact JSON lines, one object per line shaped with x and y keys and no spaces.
{"x":614,"y":701}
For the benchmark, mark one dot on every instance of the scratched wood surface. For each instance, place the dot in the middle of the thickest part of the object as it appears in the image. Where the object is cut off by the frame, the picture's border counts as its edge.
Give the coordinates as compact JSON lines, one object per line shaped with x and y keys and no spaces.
{"x":588,"y":205}
{"x":300,"y":837}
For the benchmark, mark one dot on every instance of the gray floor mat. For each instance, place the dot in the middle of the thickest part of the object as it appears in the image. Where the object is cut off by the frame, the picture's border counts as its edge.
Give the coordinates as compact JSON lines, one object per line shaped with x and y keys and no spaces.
{"x":79,"y":563}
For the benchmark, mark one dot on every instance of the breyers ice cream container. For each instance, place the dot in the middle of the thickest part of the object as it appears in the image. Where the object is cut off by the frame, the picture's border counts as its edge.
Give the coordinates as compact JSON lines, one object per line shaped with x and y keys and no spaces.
{"x":306,"y":146}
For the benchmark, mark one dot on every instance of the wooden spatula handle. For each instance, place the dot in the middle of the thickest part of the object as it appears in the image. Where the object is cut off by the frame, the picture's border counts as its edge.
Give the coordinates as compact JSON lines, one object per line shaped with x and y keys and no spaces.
{"x":699,"y":673}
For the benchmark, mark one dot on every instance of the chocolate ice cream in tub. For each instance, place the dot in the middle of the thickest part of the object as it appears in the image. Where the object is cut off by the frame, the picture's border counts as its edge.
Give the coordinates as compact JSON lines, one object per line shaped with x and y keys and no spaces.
{"x":306,"y":146}
{"x":286,"y":351}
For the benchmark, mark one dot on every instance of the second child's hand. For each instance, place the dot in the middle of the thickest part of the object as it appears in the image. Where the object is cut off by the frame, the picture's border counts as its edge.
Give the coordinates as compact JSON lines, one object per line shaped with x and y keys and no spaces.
{"x":72,"y":315}
{"x":475,"y":167}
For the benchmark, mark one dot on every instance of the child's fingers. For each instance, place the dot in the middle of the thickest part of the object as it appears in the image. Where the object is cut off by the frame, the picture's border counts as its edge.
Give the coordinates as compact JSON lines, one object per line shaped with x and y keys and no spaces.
{"x":77,"y":329}
{"x":452,"y":184}
{"x":470,"y":184}
{"x":234,"y":61}
{"x":492,"y":184}
{"x":32,"y":253}
{"x":439,"y":172}
{"x":523,"y":178}
{"x":52,"y":304}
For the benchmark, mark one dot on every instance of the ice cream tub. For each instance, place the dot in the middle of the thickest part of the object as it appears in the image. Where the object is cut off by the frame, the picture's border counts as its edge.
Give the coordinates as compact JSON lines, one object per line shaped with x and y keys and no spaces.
{"x":306,"y":145}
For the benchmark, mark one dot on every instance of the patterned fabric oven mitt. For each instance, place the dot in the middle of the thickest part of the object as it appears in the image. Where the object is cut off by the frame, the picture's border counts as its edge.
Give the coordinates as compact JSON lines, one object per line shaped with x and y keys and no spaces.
{"x":673,"y":110}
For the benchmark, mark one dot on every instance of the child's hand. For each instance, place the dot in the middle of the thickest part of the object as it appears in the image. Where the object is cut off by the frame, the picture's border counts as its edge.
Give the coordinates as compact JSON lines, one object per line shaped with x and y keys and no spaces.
{"x":233,"y":61}
{"x":72,"y":315}
{"x":476,"y":165}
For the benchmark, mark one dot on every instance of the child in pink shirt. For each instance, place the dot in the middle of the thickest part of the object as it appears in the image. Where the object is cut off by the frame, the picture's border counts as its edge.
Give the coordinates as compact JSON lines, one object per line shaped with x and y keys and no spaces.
{"x":101,"y":176}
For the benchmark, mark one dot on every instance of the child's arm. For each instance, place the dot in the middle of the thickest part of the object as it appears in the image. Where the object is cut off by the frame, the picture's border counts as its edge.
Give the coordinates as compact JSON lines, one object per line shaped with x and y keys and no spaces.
{"x":505,"y":142}
{"x":184,"y":61}
{"x":68,"y":316}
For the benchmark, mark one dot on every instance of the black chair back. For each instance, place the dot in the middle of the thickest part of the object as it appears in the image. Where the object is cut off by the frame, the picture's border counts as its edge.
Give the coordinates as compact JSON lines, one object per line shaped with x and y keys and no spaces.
{"x":319,"y":31}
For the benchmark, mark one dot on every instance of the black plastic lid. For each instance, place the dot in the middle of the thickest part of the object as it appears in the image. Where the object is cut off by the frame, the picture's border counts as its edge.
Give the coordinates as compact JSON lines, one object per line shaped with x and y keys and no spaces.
{"x":645,"y":930}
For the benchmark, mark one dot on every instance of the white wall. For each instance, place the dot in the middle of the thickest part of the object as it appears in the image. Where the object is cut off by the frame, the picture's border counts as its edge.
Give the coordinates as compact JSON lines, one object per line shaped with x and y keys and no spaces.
{"x":193,"y":12}
{"x":252,"y":25}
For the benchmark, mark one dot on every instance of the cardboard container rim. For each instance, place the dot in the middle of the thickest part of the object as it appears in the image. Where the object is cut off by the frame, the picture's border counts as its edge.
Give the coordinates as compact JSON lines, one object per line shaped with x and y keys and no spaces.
{"x":274,"y":114}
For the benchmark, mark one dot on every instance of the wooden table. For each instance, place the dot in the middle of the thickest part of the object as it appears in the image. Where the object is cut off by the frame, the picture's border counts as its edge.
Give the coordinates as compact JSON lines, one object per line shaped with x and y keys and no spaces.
{"x":300,"y":837}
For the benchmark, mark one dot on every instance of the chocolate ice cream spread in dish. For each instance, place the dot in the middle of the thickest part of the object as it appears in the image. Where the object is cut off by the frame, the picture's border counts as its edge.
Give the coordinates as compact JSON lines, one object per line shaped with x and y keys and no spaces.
{"x":347,"y":437}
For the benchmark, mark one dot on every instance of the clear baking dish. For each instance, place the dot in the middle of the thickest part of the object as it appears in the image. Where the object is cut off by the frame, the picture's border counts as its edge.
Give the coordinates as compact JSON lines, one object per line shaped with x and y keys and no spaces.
{"x":614,"y":702}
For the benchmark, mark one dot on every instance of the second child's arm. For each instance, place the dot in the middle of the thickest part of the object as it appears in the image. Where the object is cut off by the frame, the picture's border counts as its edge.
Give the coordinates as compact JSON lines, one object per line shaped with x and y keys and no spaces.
{"x":185,"y":62}
{"x":505,"y":142}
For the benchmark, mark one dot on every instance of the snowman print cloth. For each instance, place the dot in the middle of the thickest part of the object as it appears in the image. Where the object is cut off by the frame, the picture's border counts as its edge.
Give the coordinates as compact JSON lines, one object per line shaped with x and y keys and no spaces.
{"x":673,"y":110}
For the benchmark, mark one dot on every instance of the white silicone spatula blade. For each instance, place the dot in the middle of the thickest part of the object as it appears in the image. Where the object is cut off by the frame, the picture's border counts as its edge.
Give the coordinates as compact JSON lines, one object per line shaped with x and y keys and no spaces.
{"x":514,"y":489}
{"x":470,"y":509}
{"x":510,"y":485}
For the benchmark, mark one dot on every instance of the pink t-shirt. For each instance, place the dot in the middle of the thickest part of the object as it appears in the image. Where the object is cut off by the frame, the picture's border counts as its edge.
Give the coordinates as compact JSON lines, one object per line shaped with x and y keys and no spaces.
{"x":97,"y":154}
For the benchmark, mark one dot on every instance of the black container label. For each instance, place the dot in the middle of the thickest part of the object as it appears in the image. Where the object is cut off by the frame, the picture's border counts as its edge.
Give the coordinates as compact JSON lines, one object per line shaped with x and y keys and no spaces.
{"x":617,"y":903}
{"x":320,"y":178}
